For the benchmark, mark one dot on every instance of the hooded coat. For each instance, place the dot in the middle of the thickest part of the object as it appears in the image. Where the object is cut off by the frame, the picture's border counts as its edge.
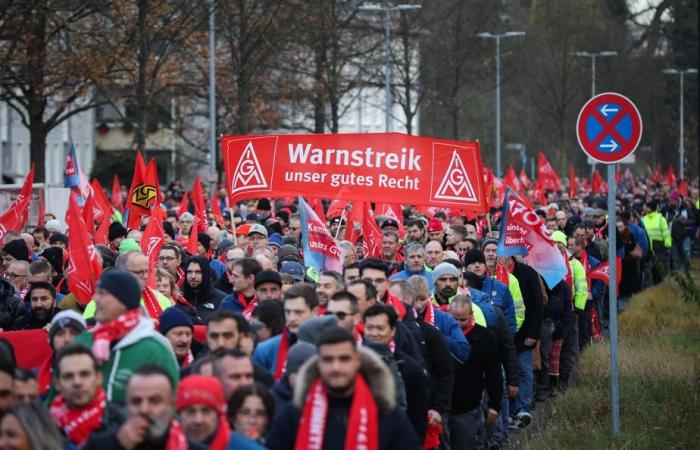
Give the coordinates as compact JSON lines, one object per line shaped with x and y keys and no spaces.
{"x":205,"y":298}
{"x":395,"y":431}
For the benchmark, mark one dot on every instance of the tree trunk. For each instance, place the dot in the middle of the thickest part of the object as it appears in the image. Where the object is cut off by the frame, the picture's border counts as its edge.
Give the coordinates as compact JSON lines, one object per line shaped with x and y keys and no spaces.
{"x":37,"y":149}
{"x":318,"y":103}
{"x":141,"y":100}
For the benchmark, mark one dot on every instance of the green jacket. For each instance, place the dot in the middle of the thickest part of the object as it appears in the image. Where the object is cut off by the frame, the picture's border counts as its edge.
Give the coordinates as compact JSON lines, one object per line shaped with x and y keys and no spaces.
{"x":142,"y":345}
{"x":580,"y":284}
{"x":657,"y":229}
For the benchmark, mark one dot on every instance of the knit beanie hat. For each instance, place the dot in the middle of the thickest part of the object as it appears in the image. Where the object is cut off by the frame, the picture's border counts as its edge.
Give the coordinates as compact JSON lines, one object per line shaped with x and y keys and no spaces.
{"x":129,"y":245}
{"x":264,"y":205}
{"x":297,"y":355}
{"x":58,"y":237}
{"x":17,"y":249}
{"x":123,"y":285}
{"x":168,"y":229}
{"x":275,"y":240}
{"x":174,"y":317}
{"x":474,"y":255}
{"x":204,"y":239}
{"x":200,"y":390}
{"x":267,"y":276}
{"x":434,"y":225}
{"x":116,"y":230}
{"x":444,"y":269}
{"x":54,"y":256}
{"x":55,"y":225}
{"x":66,"y":319}
{"x":489,"y":241}
{"x":288,"y":253}
{"x":312,"y":329}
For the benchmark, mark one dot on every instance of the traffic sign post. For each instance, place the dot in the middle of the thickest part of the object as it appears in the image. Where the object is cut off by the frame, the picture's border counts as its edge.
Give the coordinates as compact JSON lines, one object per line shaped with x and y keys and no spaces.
{"x":609,"y":129}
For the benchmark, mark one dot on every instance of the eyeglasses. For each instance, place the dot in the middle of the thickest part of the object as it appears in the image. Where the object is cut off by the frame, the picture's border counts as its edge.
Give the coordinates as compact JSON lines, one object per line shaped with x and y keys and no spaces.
{"x":341,"y":315}
{"x":16,"y":275}
{"x":140,"y":273}
{"x":166,"y":258}
{"x":256,"y":413}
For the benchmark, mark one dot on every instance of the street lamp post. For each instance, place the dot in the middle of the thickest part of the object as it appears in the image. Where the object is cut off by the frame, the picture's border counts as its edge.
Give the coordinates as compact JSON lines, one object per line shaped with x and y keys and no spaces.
{"x":497,"y":38}
{"x":387,"y":10}
{"x":681,"y":149}
{"x":212,"y":94}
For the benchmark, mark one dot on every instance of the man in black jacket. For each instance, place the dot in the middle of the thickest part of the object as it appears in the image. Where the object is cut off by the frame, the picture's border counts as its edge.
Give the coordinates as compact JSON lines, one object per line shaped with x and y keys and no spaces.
{"x":10,"y":305}
{"x":380,"y":327}
{"x":334,"y":379}
{"x":197,"y":288}
{"x":42,"y":298}
{"x":482,"y":370}
{"x":532,"y":287}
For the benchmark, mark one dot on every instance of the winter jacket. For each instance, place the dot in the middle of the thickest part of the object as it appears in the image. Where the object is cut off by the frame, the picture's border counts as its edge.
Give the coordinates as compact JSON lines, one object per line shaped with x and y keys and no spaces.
{"x":440,"y":367}
{"x":108,"y":441}
{"x":163,"y":301}
{"x":481,"y":371}
{"x":223,"y":284}
{"x":29,"y":322}
{"x":500,"y":296}
{"x":406,"y":274}
{"x":241,"y":442}
{"x":559,"y":308}
{"x":487,"y":309}
{"x":231,"y":303}
{"x":395,"y":431}
{"x":10,"y":306}
{"x":448,"y":326}
{"x":142,"y":345}
{"x":415,"y":381}
{"x":265,"y":354}
{"x":205,"y":298}
{"x":530,"y":286}
{"x":282,"y":393}
{"x":506,"y":346}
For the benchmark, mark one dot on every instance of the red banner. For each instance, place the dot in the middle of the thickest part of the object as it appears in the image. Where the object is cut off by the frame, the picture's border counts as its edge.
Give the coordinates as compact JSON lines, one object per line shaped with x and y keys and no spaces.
{"x":363,"y":167}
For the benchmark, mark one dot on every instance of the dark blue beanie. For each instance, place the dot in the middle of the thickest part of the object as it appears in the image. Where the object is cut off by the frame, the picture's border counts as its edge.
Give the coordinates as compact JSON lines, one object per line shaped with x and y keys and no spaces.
{"x":174,"y":317}
{"x":123,"y":285}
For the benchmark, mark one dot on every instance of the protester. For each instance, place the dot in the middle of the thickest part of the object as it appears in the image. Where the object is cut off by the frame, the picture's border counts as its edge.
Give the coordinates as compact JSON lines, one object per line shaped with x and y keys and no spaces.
{"x":28,"y":426}
{"x":251,"y":410}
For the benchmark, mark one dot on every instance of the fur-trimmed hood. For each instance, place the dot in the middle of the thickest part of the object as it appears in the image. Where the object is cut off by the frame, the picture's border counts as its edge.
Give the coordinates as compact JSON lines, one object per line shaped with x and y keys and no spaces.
{"x":378,"y":376}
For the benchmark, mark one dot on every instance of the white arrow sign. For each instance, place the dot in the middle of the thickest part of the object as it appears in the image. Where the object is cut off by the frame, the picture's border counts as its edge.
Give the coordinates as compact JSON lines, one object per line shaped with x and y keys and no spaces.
{"x":607,"y":109}
{"x":612,"y":145}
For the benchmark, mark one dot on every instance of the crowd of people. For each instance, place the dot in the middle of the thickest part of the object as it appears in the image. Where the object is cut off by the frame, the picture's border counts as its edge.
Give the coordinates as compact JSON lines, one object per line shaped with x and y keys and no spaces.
{"x":440,"y":343}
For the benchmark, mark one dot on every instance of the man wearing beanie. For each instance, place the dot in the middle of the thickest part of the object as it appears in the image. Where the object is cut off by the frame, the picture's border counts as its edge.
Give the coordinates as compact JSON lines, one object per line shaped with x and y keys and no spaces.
{"x":65,"y":326}
{"x":16,"y":250}
{"x":124,"y":338}
{"x":201,"y":407}
{"x":116,"y":234}
{"x":178,"y":328}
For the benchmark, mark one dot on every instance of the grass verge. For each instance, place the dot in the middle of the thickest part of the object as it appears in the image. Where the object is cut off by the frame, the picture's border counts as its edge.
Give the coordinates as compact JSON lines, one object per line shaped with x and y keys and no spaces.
{"x":659,"y":361}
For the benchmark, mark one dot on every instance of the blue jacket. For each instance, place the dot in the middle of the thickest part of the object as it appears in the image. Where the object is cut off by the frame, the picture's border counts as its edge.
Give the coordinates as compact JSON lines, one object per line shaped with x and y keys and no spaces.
{"x":482,"y":300}
{"x":450,"y":330}
{"x":231,"y":303}
{"x":265,"y":353}
{"x":406,"y":274}
{"x":597,"y":286}
{"x":241,"y":442}
{"x":499,"y":295}
{"x":217,"y":267}
{"x":640,"y":237}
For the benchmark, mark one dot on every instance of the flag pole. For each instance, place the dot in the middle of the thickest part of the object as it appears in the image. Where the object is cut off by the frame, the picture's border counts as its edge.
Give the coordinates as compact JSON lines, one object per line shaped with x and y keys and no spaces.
{"x":233,"y":227}
{"x":342,"y":217}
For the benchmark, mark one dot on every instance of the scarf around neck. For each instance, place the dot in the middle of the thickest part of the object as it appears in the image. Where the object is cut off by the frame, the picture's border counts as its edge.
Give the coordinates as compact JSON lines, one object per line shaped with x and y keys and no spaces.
{"x":362,"y":430}
{"x":106,"y":334}
{"x":79,"y":423}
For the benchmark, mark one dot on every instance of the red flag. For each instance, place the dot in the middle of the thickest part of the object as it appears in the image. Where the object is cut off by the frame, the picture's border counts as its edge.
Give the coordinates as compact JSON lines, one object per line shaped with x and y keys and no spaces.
{"x":336,"y":208}
{"x":392,"y":211}
{"x":572,"y":183}
{"x":618,"y":174}
{"x":184,"y":205}
{"x":597,"y":185}
{"x":683,"y":188}
{"x":602,"y":272}
{"x":88,"y":215}
{"x":144,"y":192}
{"x":16,"y":218}
{"x":102,"y":232}
{"x":102,"y":206}
{"x":656,"y":175}
{"x":511,"y":180}
{"x":192,"y":239}
{"x":538,"y":193}
{"x":83,"y":266}
{"x":545,"y":172}
{"x":216,"y":209}
{"x":524,"y":180}
{"x":151,"y":242}
{"x":199,"y":202}
{"x":671,"y":179}
{"x":317,"y":205}
{"x":42,"y":211}
{"x":371,"y":234}
{"x":117,"y":194}
{"x":355,"y":216}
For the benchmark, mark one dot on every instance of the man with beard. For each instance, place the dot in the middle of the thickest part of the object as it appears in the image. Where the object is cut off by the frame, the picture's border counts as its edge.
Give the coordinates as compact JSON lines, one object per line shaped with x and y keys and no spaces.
{"x":328,"y":284}
{"x":18,"y":273}
{"x":42,"y":297}
{"x":415,"y":229}
{"x":344,"y":382}
{"x":268,"y":286}
{"x":151,"y":420}
{"x":79,"y":408}
{"x":197,"y":288}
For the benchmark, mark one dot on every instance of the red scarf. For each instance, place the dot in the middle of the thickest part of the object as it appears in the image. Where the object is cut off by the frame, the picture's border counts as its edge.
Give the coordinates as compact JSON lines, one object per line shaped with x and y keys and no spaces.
{"x":78,"y":424}
{"x":321,"y":311}
{"x":397,"y":304}
{"x":152,"y":305}
{"x":187,"y":360}
{"x":176,"y":438}
{"x":281,"y":362}
{"x":106,"y":333}
{"x":429,"y":313}
{"x":470,"y":325}
{"x":180,"y":277}
{"x":569,"y":274}
{"x":362,"y":431}
{"x":248,"y":307}
{"x":586,"y":267}
{"x":43,"y":375}
{"x":222,"y":436}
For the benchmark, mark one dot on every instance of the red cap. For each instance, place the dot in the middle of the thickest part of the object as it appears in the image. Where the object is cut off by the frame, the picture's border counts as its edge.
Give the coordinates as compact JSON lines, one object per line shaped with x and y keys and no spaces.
{"x":200,"y":390}
{"x":243,"y":229}
{"x":434,"y":225}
